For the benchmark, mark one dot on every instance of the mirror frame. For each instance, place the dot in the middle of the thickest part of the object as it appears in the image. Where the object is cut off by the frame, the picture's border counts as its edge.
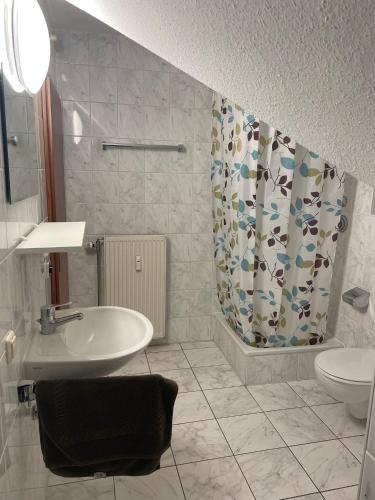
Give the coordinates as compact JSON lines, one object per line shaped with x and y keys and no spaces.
{"x":4,"y":138}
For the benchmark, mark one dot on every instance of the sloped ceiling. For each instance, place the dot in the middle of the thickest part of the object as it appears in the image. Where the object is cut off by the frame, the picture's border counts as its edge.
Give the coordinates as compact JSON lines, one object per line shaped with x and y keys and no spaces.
{"x":304,"y":66}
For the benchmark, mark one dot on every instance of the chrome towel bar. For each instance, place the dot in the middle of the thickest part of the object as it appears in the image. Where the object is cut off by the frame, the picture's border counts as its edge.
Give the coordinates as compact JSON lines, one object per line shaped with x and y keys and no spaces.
{"x":180,"y":148}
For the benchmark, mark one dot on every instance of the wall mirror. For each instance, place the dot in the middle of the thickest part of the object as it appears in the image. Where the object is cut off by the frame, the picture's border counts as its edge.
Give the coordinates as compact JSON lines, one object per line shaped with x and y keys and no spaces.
{"x":19,"y":144}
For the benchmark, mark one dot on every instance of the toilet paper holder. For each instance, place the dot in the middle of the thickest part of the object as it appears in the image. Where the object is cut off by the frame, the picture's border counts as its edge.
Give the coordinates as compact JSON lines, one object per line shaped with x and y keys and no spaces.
{"x":358,"y":298}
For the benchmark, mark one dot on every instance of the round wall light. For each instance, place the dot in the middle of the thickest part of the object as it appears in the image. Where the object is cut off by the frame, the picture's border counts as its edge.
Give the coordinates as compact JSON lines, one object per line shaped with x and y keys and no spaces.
{"x":6,"y":45}
{"x":25,"y":44}
{"x":31,"y":44}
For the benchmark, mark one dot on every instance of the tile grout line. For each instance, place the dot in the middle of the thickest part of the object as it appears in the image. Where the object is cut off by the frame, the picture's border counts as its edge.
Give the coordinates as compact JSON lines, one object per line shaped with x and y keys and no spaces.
{"x":336,"y":438}
{"x":226,"y":440}
{"x":329,"y":428}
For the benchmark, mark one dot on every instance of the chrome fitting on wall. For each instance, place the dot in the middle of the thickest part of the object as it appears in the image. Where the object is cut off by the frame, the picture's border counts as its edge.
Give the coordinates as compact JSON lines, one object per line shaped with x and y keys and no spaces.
{"x":26,"y":391}
{"x":358,"y":298}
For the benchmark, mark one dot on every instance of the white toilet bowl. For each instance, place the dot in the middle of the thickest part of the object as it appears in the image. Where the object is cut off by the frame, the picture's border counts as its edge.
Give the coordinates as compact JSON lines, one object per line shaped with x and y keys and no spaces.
{"x":347,"y":374}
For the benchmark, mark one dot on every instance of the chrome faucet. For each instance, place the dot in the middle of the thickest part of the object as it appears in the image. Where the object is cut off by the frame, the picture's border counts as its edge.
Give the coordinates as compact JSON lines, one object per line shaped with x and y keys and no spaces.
{"x":48,"y":320}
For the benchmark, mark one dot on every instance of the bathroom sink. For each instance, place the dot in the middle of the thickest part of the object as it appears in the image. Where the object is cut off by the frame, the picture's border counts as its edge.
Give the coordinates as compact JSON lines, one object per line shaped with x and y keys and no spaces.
{"x":101,"y":343}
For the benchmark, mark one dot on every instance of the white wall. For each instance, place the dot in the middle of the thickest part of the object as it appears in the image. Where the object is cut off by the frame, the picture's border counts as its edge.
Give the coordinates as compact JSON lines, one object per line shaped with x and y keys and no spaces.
{"x":354,"y":267}
{"x":22,"y":292}
{"x":306,"y":67}
{"x":121,"y":91}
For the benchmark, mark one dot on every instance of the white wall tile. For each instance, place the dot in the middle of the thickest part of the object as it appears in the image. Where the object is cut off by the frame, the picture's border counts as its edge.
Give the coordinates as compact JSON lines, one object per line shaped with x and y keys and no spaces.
{"x":179,"y":219}
{"x":72,"y":47}
{"x":106,"y":187}
{"x":131,"y":187}
{"x":178,"y":248}
{"x":102,"y":49}
{"x":182,"y":90}
{"x":202,"y":96}
{"x":180,"y":189}
{"x":156,"y":219}
{"x":78,"y":186}
{"x":201,"y":188}
{"x":202,"y":157}
{"x":130,"y":86}
{"x":77,"y":153}
{"x":201,"y":275}
{"x":182,"y":124}
{"x":179,"y":276}
{"x":157,"y":188}
{"x":136,"y":96}
{"x":16,"y":114}
{"x":156,"y":122}
{"x":202,"y":126}
{"x":128,"y":54}
{"x":73,"y":82}
{"x":201,"y":247}
{"x":103,"y":160}
{"x":77,"y":212}
{"x":132,"y":219}
{"x":131,"y":161}
{"x":76,"y":118}
{"x":131,"y":121}
{"x":201,"y":218}
{"x":103,"y":119}
{"x":103,"y":84}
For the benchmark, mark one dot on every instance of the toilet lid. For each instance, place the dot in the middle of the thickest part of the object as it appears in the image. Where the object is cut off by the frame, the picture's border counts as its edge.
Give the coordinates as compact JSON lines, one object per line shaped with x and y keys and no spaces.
{"x":352,"y":364}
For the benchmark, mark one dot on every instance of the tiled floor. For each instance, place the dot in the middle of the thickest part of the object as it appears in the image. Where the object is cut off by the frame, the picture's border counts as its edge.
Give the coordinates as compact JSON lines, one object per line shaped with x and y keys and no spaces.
{"x":269,"y":442}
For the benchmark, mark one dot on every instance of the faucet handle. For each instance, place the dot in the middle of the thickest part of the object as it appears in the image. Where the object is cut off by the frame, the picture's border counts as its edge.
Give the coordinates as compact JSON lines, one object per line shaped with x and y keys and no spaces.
{"x":54,"y":307}
{"x":60,"y":306}
{"x":50,"y":309}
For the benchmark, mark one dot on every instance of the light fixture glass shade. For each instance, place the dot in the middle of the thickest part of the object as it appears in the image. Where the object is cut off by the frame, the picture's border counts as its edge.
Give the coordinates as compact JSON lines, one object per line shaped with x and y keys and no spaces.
{"x":6,"y":45}
{"x":31,"y":44}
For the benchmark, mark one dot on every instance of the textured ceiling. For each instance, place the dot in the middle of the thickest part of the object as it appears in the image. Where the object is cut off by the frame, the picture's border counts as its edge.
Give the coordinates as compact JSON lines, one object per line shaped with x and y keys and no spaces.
{"x":304,"y":66}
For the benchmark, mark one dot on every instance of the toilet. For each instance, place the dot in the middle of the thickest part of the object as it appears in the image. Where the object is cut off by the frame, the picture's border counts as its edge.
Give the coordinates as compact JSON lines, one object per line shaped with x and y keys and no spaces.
{"x":347,"y":374}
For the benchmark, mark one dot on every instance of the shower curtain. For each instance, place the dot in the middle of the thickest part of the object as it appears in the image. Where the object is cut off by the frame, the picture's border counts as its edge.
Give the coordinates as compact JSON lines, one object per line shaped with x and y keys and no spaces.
{"x":276,"y":207}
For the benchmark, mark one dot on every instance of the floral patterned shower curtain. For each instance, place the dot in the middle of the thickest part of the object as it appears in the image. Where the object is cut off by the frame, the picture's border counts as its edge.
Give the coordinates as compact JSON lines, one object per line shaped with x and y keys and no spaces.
{"x":276,"y":207}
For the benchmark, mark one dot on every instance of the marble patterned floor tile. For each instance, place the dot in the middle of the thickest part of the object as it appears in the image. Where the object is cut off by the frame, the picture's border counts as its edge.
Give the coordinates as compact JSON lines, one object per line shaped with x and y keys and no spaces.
{"x":197,"y":441}
{"x":26,"y":468}
{"x":216,"y":377}
{"x":163,"y":484}
{"x":299,"y":426}
{"x":342,"y":494}
{"x":136,"y":366}
{"x":34,"y":494}
{"x":275,"y":474}
{"x":248,"y":433}
{"x":167,"y":458}
{"x":163,"y":348}
{"x":312,"y":392}
{"x":54,"y":480}
{"x":184,"y":378}
{"x":356,"y":445}
{"x":96,"y":489}
{"x":200,"y":344}
{"x":169,"y":360}
{"x":329,"y":464}
{"x":217,"y":479}
{"x":211,"y":356}
{"x":313,"y":496}
{"x":231,"y":401}
{"x":25,"y":429}
{"x":275,"y":396}
{"x":339,"y":420}
{"x":190,"y":407}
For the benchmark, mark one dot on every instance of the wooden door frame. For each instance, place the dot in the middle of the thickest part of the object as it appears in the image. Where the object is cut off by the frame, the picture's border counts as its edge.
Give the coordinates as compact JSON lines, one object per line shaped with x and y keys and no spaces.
{"x":58,"y":261}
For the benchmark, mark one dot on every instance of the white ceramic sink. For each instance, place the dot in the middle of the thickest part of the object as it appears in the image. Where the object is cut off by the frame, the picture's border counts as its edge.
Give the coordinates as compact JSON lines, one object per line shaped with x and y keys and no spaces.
{"x":101,"y":343}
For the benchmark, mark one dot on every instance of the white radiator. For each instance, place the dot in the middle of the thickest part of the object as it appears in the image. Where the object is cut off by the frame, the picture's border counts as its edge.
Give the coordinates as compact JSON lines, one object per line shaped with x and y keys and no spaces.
{"x":135,"y":276}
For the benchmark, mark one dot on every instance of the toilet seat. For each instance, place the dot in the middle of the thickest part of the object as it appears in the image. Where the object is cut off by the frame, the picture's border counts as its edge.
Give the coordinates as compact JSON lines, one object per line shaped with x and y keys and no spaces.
{"x":348,"y":365}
